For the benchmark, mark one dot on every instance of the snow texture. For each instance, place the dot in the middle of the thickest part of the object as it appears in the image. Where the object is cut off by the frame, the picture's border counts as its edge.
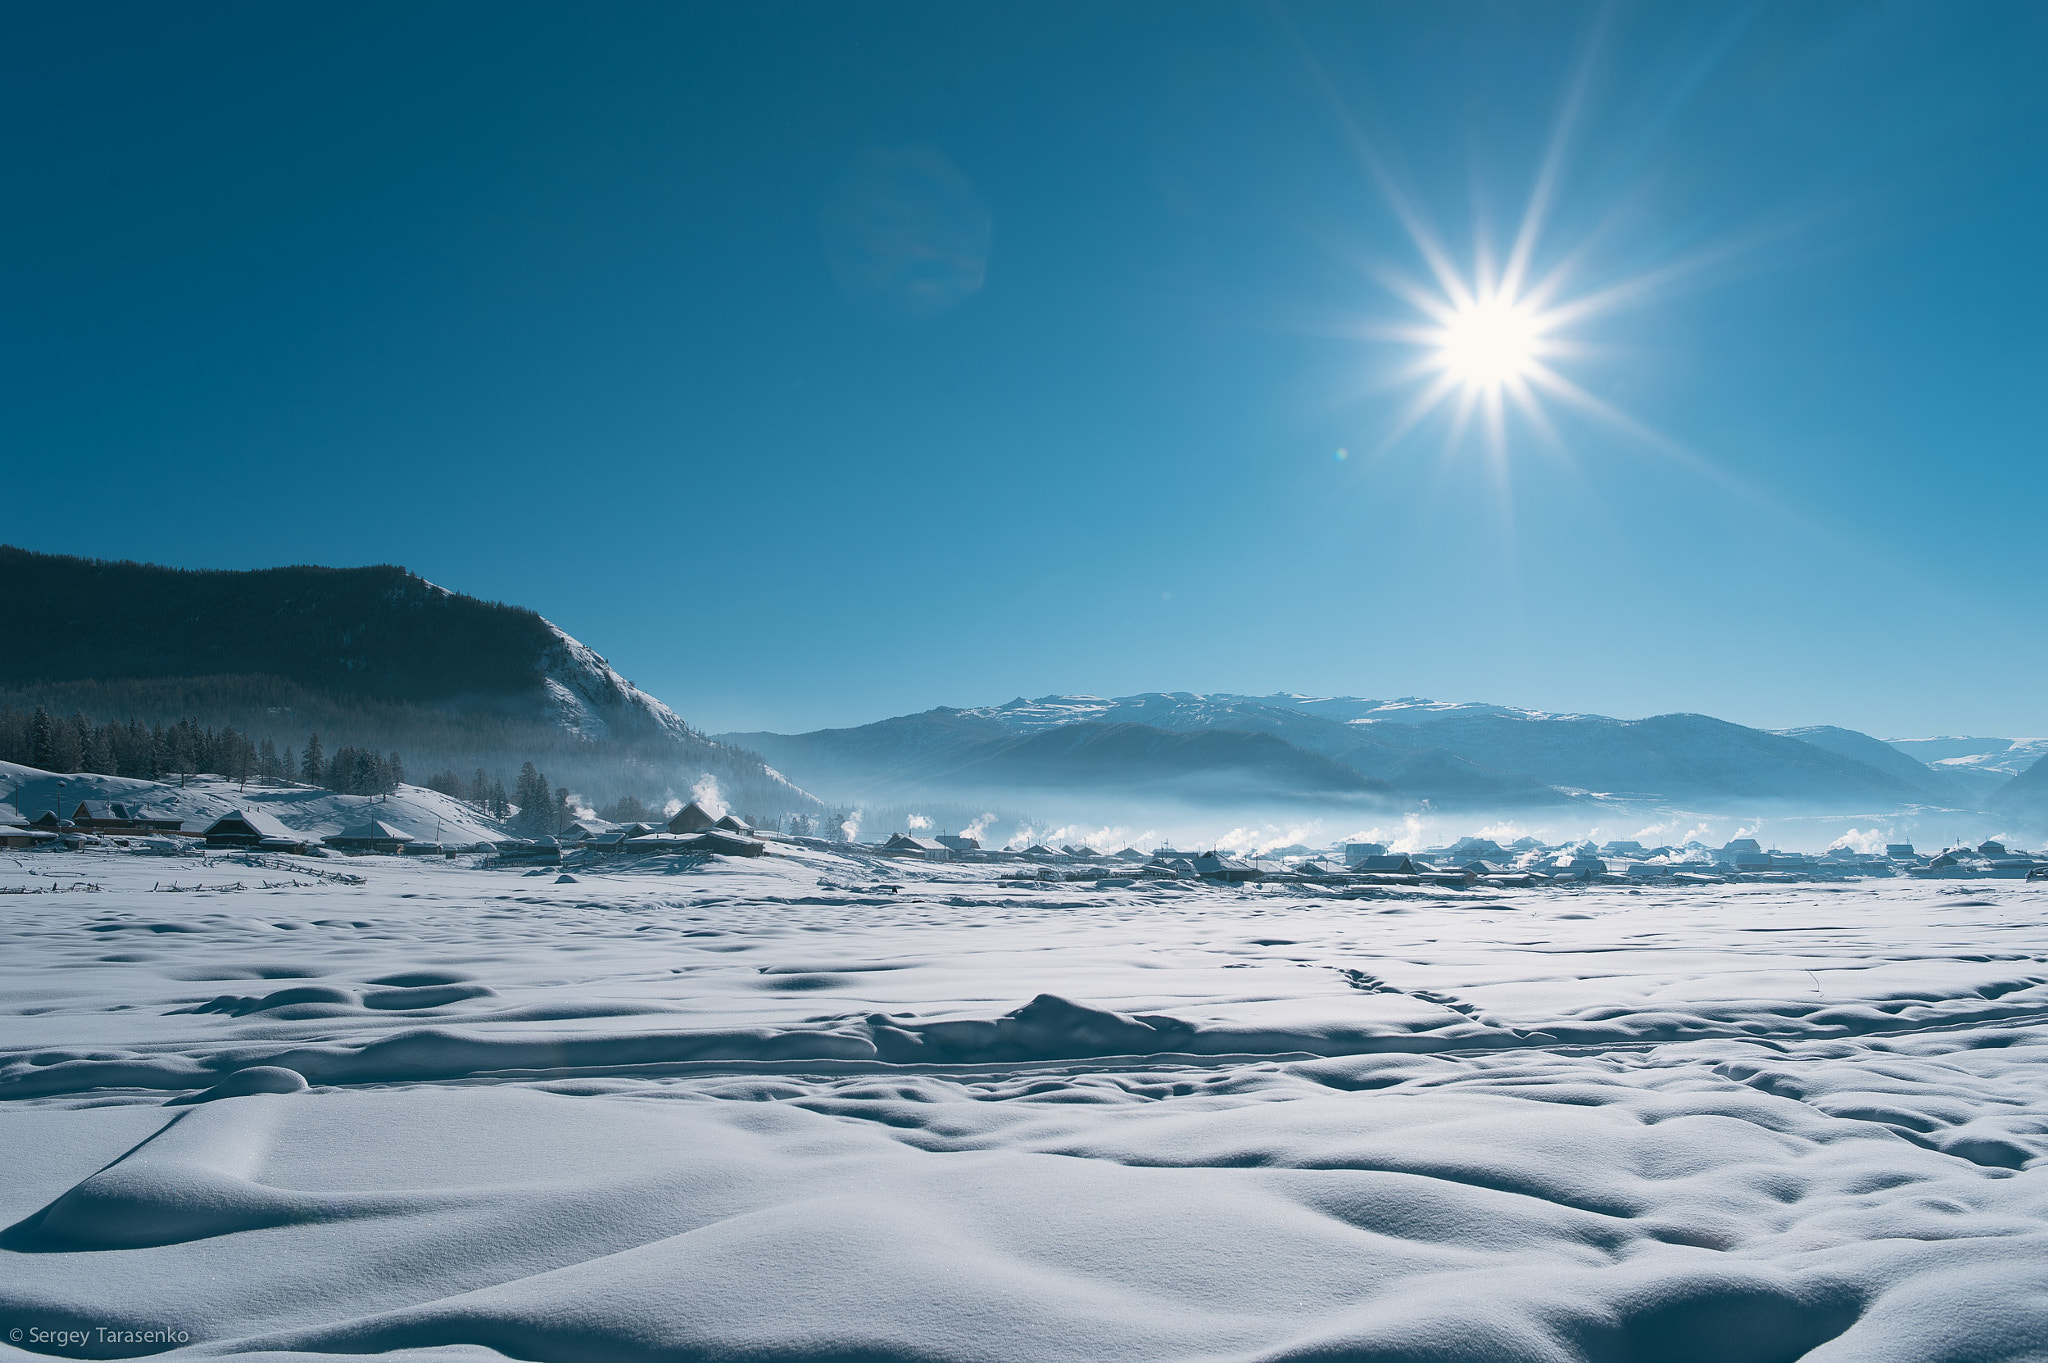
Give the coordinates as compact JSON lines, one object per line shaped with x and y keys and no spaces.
{"x":820,"y":1105}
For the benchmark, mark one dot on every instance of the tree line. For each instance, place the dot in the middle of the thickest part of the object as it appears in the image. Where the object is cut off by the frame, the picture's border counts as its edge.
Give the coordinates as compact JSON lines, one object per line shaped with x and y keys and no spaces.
{"x":184,"y":748}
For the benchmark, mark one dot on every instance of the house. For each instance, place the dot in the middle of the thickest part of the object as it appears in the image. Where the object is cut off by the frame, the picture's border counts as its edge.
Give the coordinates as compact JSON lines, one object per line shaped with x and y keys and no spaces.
{"x":1742,"y":852}
{"x":99,"y":814}
{"x":1483,"y":867}
{"x":1215,"y":866}
{"x":1381,"y":864}
{"x":719,"y":840}
{"x":583,"y":830}
{"x":692,"y":818}
{"x":251,"y":828}
{"x":373,"y":835}
{"x":115,"y":815}
{"x":1984,"y":849}
{"x":929,"y":849}
{"x":1899,"y":851}
{"x":1039,"y":849}
{"x":1132,"y":854}
{"x":1356,"y":853}
{"x":958,"y":842}
{"x":12,"y":836}
{"x":735,"y":825}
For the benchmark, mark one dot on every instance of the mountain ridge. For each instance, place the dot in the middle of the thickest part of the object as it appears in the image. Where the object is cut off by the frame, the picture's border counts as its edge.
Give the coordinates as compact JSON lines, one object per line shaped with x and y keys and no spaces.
{"x":374,"y":651}
{"x":1451,"y":754}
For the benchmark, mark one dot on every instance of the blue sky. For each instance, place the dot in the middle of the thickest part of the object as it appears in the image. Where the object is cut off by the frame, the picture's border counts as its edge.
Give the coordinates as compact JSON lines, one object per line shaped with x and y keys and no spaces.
{"x":818,"y":362}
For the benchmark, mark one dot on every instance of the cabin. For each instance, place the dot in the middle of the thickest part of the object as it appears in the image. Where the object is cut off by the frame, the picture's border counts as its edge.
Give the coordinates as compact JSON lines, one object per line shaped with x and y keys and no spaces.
{"x":711,"y":840}
{"x":692,"y":818}
{"x":928,"y":848}
{"x":732,"y":824}
{"x":1215,"y":866}
{"x":1899,"y":851}
{"x":251,"y":828}
{"x":372,"y":836}
{"x":958,"y":842}
{"x":1383,"y":864}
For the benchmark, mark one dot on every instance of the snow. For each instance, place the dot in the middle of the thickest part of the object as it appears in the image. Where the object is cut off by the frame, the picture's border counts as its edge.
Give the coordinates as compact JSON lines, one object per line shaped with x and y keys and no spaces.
{"x":822,"y":1105}
{"x":427,"y":815}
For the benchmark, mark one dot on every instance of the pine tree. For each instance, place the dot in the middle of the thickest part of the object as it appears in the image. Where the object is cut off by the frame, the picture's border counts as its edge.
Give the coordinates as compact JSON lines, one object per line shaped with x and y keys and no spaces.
{"x":42,"y":741}
{"x":312,"y":767}
{"x":536,"y":803}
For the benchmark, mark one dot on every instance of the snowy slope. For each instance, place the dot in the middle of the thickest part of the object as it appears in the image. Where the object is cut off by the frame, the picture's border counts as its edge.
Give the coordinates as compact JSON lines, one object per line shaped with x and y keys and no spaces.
{"x":819,"y":1107}
{"x":428,"y":815}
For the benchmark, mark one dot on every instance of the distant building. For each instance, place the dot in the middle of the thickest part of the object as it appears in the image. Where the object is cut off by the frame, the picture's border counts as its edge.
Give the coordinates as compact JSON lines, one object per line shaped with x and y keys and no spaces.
{"x":1214,"y":866}
{"x":250,"y":828}
{"x":1899,"y":851}
{"x":958,"y":842}
{"x":928,"y":848}
{"x":1356,"y":852}
{"x":1381,"y":863}
{"x":372,"y":836}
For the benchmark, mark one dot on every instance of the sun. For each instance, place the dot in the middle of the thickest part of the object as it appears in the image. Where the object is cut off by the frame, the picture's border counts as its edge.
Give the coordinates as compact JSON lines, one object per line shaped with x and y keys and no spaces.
{"x":1487,"y":344}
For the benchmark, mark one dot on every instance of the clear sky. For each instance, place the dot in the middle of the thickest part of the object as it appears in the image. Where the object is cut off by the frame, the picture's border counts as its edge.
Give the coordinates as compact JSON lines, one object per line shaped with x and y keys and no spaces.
{"x":819,"y":362}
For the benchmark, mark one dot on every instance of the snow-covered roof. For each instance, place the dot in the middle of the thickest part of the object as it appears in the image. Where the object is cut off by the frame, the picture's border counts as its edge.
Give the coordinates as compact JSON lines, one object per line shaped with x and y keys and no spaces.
{"x":692,"y":818}
{"x":375,"y":830}
{"x":255,"y":821}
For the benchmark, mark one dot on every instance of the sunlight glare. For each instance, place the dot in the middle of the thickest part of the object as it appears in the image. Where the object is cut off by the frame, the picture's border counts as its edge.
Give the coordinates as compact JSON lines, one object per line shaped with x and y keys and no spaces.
{"x":1488,"y":343}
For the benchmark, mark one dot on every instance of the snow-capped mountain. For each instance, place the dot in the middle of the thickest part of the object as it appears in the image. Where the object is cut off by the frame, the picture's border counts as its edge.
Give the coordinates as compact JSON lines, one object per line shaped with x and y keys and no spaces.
{"x":1464,"y":753}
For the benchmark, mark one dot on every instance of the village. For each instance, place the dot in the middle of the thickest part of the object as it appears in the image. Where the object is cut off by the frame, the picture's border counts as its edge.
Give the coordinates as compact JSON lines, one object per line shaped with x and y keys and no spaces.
{"x":696,"y":832}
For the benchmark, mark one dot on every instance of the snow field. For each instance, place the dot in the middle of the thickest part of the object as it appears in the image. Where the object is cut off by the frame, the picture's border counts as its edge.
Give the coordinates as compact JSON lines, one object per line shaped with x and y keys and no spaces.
{"x":780,"y":1110}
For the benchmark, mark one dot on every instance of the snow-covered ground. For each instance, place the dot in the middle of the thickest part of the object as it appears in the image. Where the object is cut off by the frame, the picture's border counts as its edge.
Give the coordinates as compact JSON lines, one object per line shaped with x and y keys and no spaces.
{"x":427,"y":815}
{"x":821,"y":1106}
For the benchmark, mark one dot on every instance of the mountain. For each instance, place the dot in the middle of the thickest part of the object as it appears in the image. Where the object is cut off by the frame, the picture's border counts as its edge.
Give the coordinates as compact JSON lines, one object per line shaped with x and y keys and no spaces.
{"x":376,"y":656}
{"x":2026,"y":795}
{"x":1936,"y":784}
{"x":1450,"y":754}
